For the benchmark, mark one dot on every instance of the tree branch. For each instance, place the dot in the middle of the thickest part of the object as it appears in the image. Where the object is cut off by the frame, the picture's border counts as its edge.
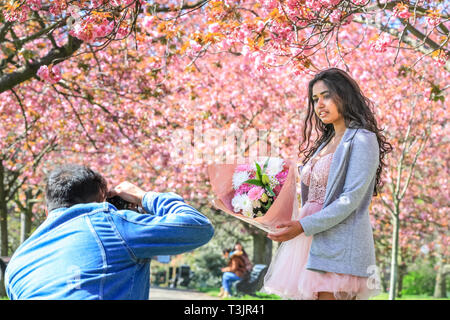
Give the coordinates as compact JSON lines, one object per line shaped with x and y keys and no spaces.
{"x":55,"y":56}
{"x":418,"y":45}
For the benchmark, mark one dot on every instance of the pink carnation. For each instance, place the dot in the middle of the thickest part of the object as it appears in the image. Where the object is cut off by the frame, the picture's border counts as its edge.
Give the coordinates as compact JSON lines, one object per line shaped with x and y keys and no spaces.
{"x":244,"y":188}
{"x":277,"y":189}
{"x":255,"y":193}
{"x":282,"y":176}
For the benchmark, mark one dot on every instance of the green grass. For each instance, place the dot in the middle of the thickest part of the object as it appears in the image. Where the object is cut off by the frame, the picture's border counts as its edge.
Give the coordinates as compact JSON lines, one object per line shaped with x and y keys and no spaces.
{"x":263,"y":296}
{"x":258,"y":295}
{"x":385,"y":296}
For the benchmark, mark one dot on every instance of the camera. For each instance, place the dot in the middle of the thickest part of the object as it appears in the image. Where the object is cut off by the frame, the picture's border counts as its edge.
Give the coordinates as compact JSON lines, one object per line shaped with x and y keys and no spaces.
{"x":122,"y":204}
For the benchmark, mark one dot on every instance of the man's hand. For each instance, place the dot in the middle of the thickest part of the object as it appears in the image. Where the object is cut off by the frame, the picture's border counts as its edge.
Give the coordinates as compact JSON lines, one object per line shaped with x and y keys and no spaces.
{"x":293,"y":229}
{"x":128,"y":192}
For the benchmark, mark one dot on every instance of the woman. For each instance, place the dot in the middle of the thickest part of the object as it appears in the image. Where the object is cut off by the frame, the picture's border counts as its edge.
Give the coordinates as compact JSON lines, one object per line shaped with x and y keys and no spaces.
{"x":328,"y":250}
{"x":239,"y":249}
{"x":234,"y":271}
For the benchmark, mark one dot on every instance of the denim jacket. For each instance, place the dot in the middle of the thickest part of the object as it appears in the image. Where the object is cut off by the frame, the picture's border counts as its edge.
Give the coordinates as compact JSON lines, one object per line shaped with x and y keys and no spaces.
{"x":94,"y":251}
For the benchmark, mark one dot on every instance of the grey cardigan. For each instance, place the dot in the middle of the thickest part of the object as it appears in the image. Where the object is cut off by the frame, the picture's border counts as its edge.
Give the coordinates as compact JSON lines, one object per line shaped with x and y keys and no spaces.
{"x":342,"y":233}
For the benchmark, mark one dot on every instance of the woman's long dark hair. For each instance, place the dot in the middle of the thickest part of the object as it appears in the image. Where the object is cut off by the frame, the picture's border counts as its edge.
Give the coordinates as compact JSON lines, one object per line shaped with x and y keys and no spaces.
{"x":355,"y":108}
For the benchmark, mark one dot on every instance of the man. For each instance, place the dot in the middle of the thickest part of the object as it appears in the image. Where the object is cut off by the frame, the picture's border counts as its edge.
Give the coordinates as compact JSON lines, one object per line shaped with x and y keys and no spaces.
{"x":87,"y":249}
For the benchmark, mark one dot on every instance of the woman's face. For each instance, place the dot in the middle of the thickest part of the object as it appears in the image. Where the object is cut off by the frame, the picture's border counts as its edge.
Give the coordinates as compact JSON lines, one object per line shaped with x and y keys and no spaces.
{"x":324,"y":106}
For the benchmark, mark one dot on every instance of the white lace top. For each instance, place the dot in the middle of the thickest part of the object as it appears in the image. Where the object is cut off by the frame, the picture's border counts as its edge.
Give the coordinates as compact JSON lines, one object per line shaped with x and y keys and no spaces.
{"x":315,"y":175}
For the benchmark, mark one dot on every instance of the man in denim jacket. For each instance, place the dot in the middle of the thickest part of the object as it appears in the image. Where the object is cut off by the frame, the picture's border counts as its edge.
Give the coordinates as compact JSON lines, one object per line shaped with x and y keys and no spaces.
{"x":87,"y":249}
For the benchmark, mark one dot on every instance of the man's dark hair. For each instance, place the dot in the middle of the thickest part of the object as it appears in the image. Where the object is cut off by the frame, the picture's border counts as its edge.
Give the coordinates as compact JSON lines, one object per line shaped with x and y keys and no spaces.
{"x":70,"y":184}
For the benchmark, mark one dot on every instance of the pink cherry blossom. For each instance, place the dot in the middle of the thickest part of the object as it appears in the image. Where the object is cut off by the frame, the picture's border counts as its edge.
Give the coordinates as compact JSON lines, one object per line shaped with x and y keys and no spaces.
{"x":49,"y":74}
{"x":401,"y":11}
{"x":381,"y":44}
{"x":214,"y":27}
{"x":433,"y":20}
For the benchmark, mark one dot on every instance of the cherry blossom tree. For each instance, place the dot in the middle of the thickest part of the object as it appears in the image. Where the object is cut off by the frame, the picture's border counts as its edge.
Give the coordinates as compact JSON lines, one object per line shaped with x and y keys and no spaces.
{"x":111,"y":83}
{"x":37,"y":35}
{"x":201,"y":96}
{"x":292,"y":32}
{"x":271,"y":32}
{"x":412,"y":109}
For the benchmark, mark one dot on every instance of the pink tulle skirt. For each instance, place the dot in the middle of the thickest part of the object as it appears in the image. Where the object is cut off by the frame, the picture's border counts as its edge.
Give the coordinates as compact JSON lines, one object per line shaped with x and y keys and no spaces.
{"x":288,"y":277}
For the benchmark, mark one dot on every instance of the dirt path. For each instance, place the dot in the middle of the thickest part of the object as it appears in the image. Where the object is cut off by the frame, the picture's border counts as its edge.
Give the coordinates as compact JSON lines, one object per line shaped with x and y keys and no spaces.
{"x":158,"y":293}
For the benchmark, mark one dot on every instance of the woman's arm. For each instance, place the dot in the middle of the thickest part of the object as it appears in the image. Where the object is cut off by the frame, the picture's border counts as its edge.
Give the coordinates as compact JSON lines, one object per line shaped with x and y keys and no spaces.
{"x":232,"y":266}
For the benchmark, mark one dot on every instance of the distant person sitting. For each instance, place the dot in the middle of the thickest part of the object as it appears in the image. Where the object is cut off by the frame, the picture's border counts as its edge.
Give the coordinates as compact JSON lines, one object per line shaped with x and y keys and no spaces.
{"x":235,"y":271}
{"x":88,"y":249}
{"x":238,"y":248}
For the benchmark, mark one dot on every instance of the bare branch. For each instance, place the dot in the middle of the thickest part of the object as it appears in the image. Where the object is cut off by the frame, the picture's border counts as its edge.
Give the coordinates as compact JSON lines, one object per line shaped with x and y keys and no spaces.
{"x":417,"y":45}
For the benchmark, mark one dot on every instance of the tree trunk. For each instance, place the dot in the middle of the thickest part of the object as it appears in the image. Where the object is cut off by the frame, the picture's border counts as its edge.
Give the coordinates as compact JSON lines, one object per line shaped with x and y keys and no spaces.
{"x":25,"y":225}
{"x":402,"y":269}
{"x":3,"y":214}
{"x":26,"y":215}
{"x":440,"y":286}
{"x":2,"y":279}
{"x":394,"y":258}
{"x":262,"y":248}
{"x":383,"y":276}
{"x":3,"y":229}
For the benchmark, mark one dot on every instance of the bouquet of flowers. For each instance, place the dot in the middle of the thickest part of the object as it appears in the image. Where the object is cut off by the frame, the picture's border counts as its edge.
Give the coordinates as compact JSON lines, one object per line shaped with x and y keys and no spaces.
{"x":257,"y":186}
{"x":261,"y":193}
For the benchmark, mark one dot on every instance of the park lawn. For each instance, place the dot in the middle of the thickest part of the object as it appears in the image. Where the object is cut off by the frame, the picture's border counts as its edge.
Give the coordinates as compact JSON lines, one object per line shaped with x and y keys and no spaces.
{"x":265,"y":296}
{"x":259,"y":295}
{"x":385,"y":296}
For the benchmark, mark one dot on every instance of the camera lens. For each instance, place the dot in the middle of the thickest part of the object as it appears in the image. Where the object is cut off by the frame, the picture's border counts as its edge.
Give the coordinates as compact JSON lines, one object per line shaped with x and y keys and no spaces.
{"x":120,"y":203}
